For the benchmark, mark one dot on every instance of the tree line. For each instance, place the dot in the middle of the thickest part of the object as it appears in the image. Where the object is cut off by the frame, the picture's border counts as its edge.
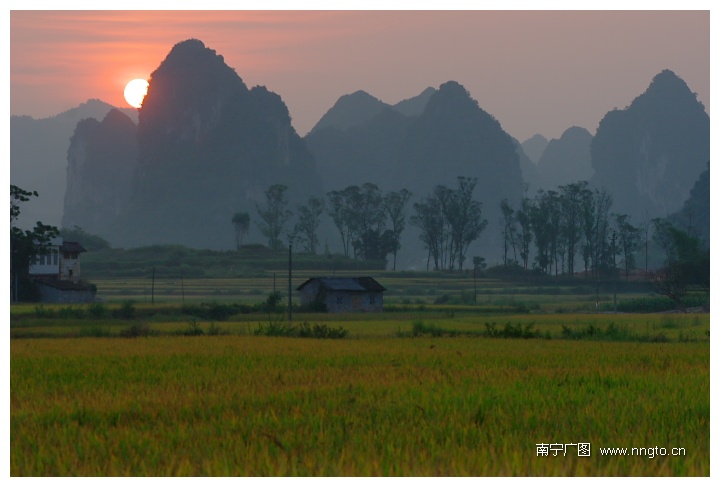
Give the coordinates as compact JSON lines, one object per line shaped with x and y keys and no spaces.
{"x":370,"y":222}
{"x":566,"y":224}
{"x":561,"y":231}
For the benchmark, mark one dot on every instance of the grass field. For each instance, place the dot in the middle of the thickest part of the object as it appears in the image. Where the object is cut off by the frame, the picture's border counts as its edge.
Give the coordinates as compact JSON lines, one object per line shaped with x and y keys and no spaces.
{"x":247,"y":405}
{"x":440,"y":384}
{"x":407,"y":393}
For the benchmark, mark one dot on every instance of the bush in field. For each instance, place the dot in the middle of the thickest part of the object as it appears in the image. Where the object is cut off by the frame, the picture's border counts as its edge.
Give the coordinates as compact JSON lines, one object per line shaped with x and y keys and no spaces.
{"x":304,"y":330}
{"x":512,"y":331}
{"x":214,"y":330}
{"x":43,"y":312}
{"x":71,"y":312}
{"x":612,"y":332}
{"x":315,"y":306}
{"x":126,"y":310}
{"x":193,"y":329}
{"x":96,"y":331}
{"x":272,"y":303}
{"x":215,"y":311}
{"x":136,"y":330}
{"x":97,"y":310}
{"x":419,"y":328}
{"x":656,"y":304}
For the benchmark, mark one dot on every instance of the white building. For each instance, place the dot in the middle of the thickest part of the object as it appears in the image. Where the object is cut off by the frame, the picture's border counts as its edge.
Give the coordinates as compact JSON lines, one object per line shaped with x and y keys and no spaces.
{"x":61,"y":262}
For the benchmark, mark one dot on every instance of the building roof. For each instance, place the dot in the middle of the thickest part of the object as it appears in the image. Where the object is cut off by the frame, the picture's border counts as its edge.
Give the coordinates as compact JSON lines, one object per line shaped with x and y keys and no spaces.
{"x":355,"y":284}
{"x":72,"y":247}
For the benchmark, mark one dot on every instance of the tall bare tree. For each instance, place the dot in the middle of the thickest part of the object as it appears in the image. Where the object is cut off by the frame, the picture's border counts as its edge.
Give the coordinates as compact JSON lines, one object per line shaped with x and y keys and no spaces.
{"x":241,"y":224}
{"x":274,"y":215}
{"x":394,"y":203}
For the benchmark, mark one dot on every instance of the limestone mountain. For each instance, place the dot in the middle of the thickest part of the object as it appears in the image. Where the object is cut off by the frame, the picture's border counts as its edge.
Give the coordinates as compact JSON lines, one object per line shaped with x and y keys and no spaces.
{"x":455,"y":137}
{"x":528,"y":169}
{"x":208,"y":147}
{"x":415,"y":105}
{"x":534,"y":147}
{"x":350,"y":111}
{"x":566,"y":160}
{"x":100,"y":165}
{"x":451,"y":136}
{"x":38,"y":158}
{"x":650,"y":154}
{"x":694,"y":217}
{"x":361,"y":153}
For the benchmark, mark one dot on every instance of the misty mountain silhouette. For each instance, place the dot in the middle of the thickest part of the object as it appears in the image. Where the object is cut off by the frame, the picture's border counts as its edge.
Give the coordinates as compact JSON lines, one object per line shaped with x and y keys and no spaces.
{"x":415,"y":105}
{"x":694,"y":217}
{"x":566,"y":160}
{"x":534,"y":147}
{"x":101,"y":161}
{"x":451,"y":137}
{"x":38,"y":158}
{"x":350,"y":111}
{"x":208,"y":147}
{"x":649,"y":155}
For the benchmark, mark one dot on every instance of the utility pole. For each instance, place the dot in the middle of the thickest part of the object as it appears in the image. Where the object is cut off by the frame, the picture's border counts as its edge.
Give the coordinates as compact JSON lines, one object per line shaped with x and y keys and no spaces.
{"x":152,"y":288}
{"x":475,"y":284}
{"x":290,"y":283}
{"x":613,"y":274}
{"x":182,"y":286}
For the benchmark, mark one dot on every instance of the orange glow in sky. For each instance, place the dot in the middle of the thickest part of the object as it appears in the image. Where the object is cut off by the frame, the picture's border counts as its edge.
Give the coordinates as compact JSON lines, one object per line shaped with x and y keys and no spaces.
{"x":536,"y":72}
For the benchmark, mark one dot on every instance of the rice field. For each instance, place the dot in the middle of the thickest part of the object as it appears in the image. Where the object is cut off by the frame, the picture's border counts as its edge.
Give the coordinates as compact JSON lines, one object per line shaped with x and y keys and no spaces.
{"x":428,"y":388}
{"x":378,"y":403}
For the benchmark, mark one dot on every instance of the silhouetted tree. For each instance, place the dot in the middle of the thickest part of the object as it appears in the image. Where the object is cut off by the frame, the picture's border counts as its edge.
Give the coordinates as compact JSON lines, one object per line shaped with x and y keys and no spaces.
{"x":687,"y":262}
{"x":430,"y":219}
{"x":628,"y":240}
{"x":341,"y":213}
{"x":25,"y":245}
{"x":571,"y":229}
{"x":449,"y":220}
{"x":308,"y":221}
{"x":275,"y":215}
{"x":509,"y":230}
{"x":394,"y":203}
{"x":241,"y":224}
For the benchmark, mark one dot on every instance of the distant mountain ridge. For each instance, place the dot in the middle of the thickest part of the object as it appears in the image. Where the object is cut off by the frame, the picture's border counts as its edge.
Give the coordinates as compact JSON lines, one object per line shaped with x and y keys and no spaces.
{"x":101,"y":161}
{"x":207,"y":147}
{"x":650,"y":154}
{"x":451,"y":137}
{"x":360,"y":107}
{"x":566,"y":160}
{"x":38,"y":157}
{"x":534,"y":147}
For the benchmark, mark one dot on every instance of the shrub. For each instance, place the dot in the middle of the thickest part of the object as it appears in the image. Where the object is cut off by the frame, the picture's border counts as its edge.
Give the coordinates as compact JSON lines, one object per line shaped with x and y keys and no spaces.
{"x":136,"y":330}
{"x":216,"y":311}
{"x":193,"y":329}
{"x":43,"y":312}
{"x":512,"y":331}
{"x":71,"y":312}
{"x":214,"y":330}
{"x":95,"y":331}
{"x":126,"y":310}
{"x":304,"y":330}
{"x":97,"y":310}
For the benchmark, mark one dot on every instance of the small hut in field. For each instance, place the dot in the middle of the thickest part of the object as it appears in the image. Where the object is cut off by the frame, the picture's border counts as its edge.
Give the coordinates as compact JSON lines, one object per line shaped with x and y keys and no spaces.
{"x":343,"y":294}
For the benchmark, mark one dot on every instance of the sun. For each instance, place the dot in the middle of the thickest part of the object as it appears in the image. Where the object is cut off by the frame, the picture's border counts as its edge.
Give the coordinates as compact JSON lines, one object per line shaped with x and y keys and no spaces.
{"x":135,"y":92}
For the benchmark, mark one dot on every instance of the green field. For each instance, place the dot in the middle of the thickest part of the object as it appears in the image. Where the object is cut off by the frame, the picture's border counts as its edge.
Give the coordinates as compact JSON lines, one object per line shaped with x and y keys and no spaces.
{"x":245,"y":405}
{"x":440,"y":384}
{"x":441,"y":389}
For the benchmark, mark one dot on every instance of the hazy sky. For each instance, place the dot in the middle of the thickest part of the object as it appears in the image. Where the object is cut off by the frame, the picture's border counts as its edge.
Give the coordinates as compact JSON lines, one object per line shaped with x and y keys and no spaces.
{"x":534,"y":71}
